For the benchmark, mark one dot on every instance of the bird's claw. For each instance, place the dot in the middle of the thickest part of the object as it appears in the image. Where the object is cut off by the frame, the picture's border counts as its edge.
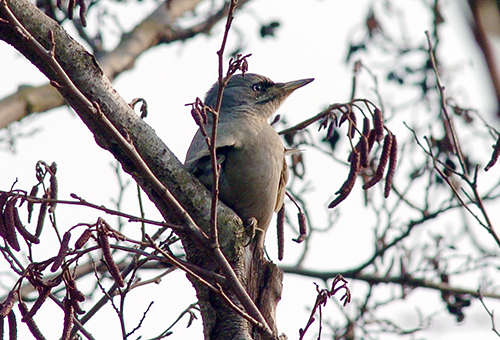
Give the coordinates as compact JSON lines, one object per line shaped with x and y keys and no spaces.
{"x":251,"y":229}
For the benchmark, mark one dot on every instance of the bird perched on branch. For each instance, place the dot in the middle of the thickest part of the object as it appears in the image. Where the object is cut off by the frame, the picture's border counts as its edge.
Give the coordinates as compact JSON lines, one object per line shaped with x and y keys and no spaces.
{"x":253,"y":169}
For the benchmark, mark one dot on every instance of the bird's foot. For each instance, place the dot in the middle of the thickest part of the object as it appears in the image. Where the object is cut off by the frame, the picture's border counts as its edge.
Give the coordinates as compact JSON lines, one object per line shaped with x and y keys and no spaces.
{"x":251,"y":229}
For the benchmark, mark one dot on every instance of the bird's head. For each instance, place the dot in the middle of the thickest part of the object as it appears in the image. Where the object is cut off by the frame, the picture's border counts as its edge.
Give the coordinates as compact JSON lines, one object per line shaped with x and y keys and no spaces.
{"x":252,"y":94}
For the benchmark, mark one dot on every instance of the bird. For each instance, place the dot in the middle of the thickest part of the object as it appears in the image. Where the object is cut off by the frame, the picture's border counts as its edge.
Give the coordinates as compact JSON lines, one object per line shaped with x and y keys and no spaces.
{"x":253,"y":169}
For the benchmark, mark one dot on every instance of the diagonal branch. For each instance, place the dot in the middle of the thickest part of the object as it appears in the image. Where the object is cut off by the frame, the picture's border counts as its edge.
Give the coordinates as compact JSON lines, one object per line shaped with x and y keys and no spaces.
{"x":158,"y":28}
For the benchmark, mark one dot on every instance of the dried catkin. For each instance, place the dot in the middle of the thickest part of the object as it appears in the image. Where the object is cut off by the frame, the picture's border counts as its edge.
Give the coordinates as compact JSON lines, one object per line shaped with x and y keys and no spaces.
{"x":33,"y":192}
{"x":384,"y":158}
{"x":302,"y":227}
{"x":112,"y":267}
{"x":8,"y":303}
{"x":22,"y":230}
{"x":35,"y":331}
{"x":393,"y":159}
{"x":62,"y":252}
{"x":346,"y":188}
{"x":84,"y":237}
{"x":10,"y":225}
{"x":494,"y":156}
{"x":281,"y":232}
{"x":378,"y":125}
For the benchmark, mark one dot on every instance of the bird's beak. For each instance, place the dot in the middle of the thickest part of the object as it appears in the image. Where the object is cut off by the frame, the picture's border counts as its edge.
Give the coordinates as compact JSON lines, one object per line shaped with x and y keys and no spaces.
{"x":291,"y":86}
{"x":280,"y":91}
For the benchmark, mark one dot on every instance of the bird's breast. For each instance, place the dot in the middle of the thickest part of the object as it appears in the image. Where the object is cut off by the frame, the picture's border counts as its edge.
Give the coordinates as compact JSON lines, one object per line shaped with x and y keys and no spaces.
{"x":251,"y":173}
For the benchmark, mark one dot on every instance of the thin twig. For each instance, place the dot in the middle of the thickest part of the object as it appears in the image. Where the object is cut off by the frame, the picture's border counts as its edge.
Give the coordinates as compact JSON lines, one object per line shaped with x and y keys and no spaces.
{"x":444,"y":107}
{"x":491,"y":314}
{"x":213,"y":138}
{"x":450,"y":131}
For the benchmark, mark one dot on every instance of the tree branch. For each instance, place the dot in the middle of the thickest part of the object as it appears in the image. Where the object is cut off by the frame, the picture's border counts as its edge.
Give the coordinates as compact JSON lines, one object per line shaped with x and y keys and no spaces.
{"x":374,"y":279}
{"x":158,"y":28}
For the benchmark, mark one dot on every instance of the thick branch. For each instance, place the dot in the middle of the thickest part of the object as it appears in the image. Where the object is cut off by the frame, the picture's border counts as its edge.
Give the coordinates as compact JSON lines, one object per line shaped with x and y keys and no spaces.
{"x":159,"y":27}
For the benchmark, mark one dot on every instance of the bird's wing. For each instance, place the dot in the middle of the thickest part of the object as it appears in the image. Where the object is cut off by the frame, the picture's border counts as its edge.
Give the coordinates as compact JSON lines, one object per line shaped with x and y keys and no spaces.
{"x":283,"y":180}
{"x":199,"y":149}
{"x":281,"y":187}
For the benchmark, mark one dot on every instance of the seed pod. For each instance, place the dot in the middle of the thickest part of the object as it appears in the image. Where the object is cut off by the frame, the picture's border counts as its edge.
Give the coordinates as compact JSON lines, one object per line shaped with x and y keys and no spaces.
{"x":75,"y":294}
{"x":281,"y":232}
{"x":33,"y":192}
{"x":22,"y":230}
{"x":62,"y":252}
{"x":8,"y":304}
{"x":352,"y":125}
{"x":289,"y":137}
{"x":302,"y":227}
{"x":84,"y":237}
{"x":3,"y":199}
{"x":53,"y":192}
{"x":83,"y":10}
{"x":494,"y":156}
{"x":53,"y":168}
{"x":39,"y":172}
{"x":363,"y":151}
{"x":393,"y":159}
{"x":11,"y":319}
{"x":275,"y":119}
{"x":3,"y":232}
{"x":330,"y":131}
{"x":197,"y":115}
{"x":346,"y":188}
{"x":362,"y":148}
{"x":112,"y":267}
{"x":298,"y":166}
{"x":42,"y":297}
{"x":378,"y":124}
{"x":77,"y":308}
{"x":384,"y":157}
{"x":41,"y":217}
{"x":371,"y":140}
{"x":71,"y":7}
{"x":366,"y":127}
{"x":35,"y":331}
{"x":68,"y":319}
{"x":2,"y":325}
{"x":199,"y":112}
{"x":10,"y":228}
{"x":55,"y":281}
{"x":323,"y":123}
{"x":343,"y":118}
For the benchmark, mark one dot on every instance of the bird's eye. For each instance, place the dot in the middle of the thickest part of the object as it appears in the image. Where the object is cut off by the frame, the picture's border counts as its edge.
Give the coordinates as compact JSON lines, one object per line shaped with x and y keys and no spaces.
{"x":258,"y":87}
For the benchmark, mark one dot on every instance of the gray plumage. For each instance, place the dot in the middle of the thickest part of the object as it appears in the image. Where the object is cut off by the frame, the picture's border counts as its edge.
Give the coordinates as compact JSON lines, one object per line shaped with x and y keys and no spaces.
{"x":250,"y":152}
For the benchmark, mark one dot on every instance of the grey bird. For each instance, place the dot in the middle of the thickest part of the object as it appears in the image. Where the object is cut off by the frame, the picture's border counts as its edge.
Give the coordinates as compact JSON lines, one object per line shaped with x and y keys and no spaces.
{"x":251,"y":154}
